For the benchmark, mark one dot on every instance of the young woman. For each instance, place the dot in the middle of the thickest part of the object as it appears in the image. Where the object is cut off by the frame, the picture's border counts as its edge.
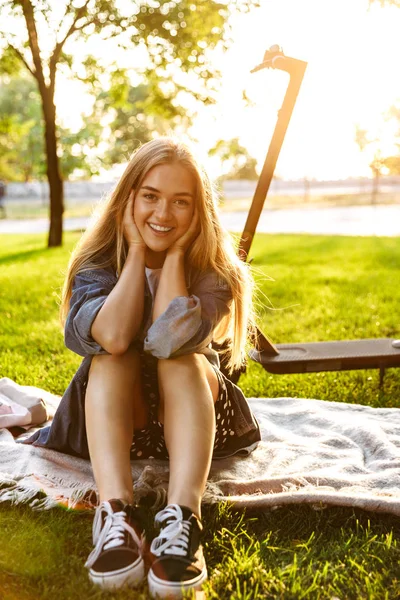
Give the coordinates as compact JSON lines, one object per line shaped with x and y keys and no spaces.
{"x":149,"y":287}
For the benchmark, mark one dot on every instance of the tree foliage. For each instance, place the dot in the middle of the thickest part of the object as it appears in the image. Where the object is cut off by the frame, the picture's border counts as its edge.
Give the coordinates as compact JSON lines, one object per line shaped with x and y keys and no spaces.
{"x":236,"y":159}
{"x":21,"y":130}
{"x":386,"y":2}
{"x":392,"y":163}
{"x":22,"y":150}
{"x":136,"y":113}
{"x":379,"y":161}
{"x":177,"y":37}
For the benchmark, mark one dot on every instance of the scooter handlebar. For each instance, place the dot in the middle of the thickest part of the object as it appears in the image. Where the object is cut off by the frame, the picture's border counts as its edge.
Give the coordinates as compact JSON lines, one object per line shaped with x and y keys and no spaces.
{"x":274,"y":58}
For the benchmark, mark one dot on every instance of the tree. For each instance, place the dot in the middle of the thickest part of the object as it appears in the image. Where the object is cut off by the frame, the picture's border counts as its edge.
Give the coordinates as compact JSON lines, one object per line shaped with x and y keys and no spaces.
{"x":392,"y":163}
{"x":137,"y":112}
{"x":177,"y":35}
{"x":376,"y":160}
{"x":236,"y":158}
{"x":21,"y":127}
{"x":371,"y":145}
{"x":11,"y":134}
{"x":22,"y":149}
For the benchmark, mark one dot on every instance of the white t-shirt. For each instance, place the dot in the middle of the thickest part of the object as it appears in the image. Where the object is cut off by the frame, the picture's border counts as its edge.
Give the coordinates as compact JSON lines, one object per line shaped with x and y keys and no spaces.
{"x":153,"y":278}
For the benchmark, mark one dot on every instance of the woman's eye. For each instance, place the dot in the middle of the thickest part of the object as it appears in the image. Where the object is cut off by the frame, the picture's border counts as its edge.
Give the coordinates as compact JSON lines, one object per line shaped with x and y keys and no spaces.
{"x":182,"y":202}
{"x":150,"y":196}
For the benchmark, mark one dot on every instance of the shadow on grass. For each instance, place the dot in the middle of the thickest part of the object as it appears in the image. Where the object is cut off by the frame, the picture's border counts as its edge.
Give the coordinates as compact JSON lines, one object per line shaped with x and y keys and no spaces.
{"x":19,"y":257}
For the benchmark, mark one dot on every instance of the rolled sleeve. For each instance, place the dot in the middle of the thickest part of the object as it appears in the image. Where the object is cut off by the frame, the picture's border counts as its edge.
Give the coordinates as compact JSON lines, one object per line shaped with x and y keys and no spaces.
{"x":89,"y":293}
{"x":174,"y":328}
{"x":187,"y":325}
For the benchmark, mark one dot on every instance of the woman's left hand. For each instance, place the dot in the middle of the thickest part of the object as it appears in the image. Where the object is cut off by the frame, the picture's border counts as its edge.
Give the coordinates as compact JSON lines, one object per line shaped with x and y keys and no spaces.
{"x":183,"y":243}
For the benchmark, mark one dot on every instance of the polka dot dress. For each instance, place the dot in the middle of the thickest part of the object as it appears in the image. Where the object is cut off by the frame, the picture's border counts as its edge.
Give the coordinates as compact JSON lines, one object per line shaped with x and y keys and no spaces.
{"x":150,"y":442}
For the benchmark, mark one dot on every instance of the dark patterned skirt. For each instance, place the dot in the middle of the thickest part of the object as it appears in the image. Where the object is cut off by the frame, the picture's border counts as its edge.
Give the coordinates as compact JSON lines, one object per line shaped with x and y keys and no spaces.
{"x":150,"y":442}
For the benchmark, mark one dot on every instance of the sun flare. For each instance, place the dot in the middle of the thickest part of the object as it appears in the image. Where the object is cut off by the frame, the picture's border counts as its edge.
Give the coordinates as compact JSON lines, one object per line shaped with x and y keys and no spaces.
{"x":353,"y":54}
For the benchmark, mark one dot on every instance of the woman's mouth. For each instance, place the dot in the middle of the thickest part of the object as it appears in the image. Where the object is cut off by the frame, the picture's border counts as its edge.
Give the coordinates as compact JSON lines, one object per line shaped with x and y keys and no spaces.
{"x":159,"y":229}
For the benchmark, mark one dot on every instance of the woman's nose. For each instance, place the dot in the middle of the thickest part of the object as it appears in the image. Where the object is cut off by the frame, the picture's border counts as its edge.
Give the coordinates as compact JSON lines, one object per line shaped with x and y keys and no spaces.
{"x":163,"y":210}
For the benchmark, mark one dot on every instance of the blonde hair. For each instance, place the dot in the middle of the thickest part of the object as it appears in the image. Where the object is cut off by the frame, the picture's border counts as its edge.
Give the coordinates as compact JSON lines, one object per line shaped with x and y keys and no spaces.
{"x":103,"y":244}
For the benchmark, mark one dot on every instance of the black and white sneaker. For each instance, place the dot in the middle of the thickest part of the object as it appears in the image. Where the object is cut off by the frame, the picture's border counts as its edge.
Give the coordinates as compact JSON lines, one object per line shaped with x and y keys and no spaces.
{"x":179,"y":563}
{"x":116,"y":559}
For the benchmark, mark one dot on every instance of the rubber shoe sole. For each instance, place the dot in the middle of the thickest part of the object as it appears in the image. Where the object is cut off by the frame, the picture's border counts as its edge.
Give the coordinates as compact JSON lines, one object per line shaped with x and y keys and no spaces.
{"x":159,"y":588}
{"x":130,"y":576}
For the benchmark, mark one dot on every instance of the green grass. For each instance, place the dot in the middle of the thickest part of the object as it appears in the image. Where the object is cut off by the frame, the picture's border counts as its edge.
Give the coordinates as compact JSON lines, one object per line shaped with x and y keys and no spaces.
{"x":324,"y":288}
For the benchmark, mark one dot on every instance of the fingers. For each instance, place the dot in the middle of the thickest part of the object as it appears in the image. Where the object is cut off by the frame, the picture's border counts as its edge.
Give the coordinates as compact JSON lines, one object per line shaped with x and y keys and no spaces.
{"x":131,"y":231}
{"x":129,"y":204}
{"x":128,"y":213}
{"x":192,"y":232}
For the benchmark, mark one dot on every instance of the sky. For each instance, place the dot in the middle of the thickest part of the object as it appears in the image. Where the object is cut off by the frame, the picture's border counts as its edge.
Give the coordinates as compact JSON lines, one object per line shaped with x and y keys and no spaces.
{"x":353,"y":56}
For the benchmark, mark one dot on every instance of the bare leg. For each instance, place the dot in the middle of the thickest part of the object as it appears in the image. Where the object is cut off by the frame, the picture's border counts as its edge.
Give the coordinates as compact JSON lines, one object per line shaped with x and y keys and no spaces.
{"x":189,"y":388}
{"x":113,"y":401}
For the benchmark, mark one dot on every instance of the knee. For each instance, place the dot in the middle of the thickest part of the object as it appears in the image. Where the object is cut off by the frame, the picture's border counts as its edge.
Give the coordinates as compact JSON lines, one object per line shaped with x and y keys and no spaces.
{"x":194,"y":367}
{"x":131,"y":356}
{"x":191,"y":372}
{"x":188,"y":362}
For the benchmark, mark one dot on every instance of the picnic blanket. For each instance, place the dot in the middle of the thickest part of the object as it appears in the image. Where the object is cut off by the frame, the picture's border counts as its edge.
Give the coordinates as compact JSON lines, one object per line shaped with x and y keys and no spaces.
{"x":21,"y":406}
{"x":312,"y":451}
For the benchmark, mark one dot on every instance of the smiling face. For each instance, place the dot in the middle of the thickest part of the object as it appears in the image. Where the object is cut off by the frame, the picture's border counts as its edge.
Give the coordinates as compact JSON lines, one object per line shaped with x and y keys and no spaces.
{"x":163,"y":209}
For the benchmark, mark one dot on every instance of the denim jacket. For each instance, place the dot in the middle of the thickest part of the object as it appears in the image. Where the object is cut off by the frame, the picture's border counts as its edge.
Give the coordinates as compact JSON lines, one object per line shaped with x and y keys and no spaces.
{"x":185,"y":327}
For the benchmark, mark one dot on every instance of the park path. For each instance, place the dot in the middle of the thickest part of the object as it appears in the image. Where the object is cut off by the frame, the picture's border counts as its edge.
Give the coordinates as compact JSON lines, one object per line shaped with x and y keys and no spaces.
{"x":348,"y":220}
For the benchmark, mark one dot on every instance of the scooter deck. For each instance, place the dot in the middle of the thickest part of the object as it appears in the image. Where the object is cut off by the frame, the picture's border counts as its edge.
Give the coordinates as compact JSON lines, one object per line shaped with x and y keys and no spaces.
{"x":329,"y":356}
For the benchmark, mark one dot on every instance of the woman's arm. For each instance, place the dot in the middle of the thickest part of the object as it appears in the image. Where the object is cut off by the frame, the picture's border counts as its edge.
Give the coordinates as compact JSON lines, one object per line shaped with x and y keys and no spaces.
{"x":120,"y":317}
{"x":184,"y":323}
{"x":188,"y":323}
{"x":172,"y":282}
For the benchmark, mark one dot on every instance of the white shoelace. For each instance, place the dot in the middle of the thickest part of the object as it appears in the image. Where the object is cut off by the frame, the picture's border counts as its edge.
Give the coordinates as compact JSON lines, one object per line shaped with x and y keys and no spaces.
{"x":112,"y":534}
{"x":174,"y":538}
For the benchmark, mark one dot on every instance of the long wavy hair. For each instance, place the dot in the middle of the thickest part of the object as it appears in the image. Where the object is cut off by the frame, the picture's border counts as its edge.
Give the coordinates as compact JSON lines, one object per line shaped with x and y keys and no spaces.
{"x":103,"y":244}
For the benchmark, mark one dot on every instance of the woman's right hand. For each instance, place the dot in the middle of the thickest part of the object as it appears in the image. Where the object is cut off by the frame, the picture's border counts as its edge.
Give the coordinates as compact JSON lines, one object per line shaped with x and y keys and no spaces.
{"x":131,"y":231}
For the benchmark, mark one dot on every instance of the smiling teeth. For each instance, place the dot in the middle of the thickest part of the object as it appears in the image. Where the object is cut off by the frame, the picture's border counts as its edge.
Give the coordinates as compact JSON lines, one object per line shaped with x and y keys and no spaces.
{"x":159,"y":228}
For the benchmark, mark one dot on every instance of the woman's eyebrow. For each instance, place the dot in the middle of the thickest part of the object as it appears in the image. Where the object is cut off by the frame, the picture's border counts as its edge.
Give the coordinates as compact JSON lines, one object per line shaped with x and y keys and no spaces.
{"x":153,"y":189}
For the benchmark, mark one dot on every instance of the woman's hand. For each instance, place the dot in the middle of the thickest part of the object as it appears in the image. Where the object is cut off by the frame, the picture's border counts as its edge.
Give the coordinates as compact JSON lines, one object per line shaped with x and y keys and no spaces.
{"x":131,"y":231}
{"x":183,"y":243}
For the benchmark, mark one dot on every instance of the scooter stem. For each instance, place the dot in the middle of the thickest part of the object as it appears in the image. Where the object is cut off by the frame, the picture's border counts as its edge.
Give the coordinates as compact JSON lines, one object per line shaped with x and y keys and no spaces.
{"x":274,"y":59}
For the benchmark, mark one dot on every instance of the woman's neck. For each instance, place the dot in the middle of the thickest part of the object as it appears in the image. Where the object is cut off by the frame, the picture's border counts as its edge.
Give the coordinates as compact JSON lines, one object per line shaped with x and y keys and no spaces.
{"x":154,"y":260}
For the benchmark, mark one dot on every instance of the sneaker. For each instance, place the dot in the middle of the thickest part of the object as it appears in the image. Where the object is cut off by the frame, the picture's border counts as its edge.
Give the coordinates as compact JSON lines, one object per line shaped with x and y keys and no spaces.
{"x":178,"y":564}
{"x":116,"y":559}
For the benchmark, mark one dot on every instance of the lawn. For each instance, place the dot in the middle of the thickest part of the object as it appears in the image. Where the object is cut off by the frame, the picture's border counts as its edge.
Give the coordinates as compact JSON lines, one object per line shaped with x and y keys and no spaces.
{"x":310,"y":288}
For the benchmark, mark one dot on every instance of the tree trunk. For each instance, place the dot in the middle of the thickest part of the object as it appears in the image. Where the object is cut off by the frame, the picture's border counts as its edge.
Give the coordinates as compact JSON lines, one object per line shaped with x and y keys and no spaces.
{"x":56,"y":186}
